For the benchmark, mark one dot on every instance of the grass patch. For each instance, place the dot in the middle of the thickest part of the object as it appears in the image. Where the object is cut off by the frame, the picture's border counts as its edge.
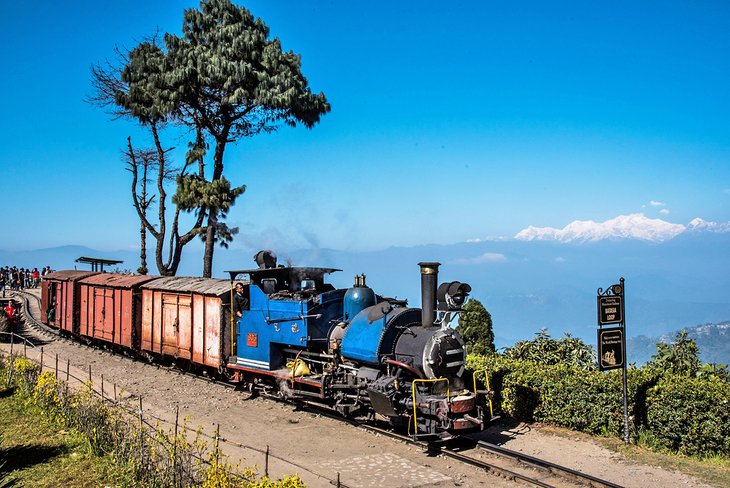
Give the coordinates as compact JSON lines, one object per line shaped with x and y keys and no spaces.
{"x":36,"y":453}
{"x":714,"y":471}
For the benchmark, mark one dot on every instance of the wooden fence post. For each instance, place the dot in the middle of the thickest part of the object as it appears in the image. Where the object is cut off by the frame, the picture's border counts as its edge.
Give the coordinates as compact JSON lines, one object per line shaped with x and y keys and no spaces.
{"x":174,"y":448}
{"x":266,"y":469}
{"x":140,"y":417}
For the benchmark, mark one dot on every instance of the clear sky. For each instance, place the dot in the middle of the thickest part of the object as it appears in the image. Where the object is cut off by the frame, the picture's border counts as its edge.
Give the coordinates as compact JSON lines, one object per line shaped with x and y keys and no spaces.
{"x":450,"y":121}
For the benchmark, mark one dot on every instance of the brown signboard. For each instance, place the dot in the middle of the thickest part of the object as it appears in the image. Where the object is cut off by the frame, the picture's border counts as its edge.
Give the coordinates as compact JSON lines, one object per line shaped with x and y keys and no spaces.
{"x":611,"y":348}
{"x":610,"y":310}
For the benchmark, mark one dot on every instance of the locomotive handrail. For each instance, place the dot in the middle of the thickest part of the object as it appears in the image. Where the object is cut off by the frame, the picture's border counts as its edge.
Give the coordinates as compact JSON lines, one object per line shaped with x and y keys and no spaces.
{"x":269,"y":320}
{"x":486,"y":383}
{"x":413,"y":393}
{"x":405,"y":366}
{"x":234,"y":330}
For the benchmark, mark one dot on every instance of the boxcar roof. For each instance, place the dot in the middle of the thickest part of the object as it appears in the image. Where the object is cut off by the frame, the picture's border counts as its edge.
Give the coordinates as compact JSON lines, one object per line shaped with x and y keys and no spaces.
{"x":204,"y":286}
{"x":68,"y":275}
{"x":117,"y":280}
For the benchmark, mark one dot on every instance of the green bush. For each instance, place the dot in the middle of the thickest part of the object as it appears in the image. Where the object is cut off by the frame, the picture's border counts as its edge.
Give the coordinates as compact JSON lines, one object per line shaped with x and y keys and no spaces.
{"x":677,"y":412}
{"x":689,"y":415}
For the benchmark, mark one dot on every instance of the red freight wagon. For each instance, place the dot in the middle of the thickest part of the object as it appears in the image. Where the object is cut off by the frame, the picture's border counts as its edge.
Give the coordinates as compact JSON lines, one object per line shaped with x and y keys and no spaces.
{"x":187,"y":318}
{"x":59,"y":295}
{"x":111,"y":308}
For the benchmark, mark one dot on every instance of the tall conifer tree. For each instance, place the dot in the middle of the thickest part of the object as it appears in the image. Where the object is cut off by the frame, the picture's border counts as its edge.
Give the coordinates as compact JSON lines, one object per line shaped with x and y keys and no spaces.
{"x":225,"y":79}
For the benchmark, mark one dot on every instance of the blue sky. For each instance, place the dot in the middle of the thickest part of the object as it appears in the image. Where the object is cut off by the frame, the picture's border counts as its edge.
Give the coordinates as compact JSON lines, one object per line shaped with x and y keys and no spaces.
{"x":449,"y":121}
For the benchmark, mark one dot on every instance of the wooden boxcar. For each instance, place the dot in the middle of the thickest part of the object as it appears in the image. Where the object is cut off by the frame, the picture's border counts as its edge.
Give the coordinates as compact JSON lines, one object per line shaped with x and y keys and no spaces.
{"x":187,"y":318}
{"x":111,"y":308}
{"x":59,"y":299}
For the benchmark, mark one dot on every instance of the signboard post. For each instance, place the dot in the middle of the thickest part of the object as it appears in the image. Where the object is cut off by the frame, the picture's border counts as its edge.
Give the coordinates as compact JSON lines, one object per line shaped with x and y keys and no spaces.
{"x":612,"y":340}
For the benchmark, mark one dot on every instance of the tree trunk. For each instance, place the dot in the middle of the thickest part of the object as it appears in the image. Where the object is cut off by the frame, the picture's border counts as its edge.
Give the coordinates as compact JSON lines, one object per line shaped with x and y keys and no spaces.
{"x":209,"y":244}
{"x":160,"y":247}
{"x":210,"y":234}
{"x":142,"y":228}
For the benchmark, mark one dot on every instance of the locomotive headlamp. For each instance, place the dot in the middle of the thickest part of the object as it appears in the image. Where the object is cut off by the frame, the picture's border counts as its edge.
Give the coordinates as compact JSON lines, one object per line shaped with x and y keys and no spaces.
{"x":451,"y":296}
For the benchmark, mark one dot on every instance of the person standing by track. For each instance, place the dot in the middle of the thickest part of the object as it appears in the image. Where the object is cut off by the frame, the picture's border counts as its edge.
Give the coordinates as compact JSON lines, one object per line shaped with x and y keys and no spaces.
{"x":11,"y":313}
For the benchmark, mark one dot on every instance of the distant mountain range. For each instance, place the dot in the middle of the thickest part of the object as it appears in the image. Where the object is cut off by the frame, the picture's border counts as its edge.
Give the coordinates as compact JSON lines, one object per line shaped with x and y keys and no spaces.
{"x":713,"y":341}
{"x":634,"y":226}
{"x":526,"y":284}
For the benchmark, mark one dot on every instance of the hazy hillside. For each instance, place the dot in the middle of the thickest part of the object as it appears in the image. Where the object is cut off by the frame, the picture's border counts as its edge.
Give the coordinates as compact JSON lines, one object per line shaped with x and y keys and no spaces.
{"x":712,"y":339}
{"x":526,"y":285}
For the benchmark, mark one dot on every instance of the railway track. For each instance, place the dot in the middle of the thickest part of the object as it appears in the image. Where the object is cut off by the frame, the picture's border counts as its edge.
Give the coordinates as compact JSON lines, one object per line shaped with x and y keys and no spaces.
{"x":539,"y":472}
{"x":541,"y":464}
{"x":515,"y":466}
{"x":502,"y":462}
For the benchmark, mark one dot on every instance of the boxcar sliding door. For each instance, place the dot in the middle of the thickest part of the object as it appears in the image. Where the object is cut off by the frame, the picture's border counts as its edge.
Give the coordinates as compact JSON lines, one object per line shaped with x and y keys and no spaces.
{"x":176,"y":325}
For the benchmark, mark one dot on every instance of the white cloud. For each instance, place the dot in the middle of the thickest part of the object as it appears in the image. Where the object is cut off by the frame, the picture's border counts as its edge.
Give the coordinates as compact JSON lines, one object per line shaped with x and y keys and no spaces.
{"x":486,"y":239}
{"x":487,"y":257}
{"x":655,"y":203}
{"x":664,"y":211}
{"x":634,"y":226}
{"x":560,"y":259}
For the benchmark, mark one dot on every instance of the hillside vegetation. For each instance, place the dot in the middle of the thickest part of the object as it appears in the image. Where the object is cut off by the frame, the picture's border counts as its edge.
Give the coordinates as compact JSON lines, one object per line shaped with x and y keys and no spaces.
{"x":676,"y":403}
{"x":713,"y":341}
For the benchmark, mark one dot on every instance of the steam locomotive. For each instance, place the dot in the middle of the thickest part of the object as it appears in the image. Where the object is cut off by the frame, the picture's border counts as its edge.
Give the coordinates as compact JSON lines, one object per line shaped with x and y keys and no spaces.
{"x":297,"y":337}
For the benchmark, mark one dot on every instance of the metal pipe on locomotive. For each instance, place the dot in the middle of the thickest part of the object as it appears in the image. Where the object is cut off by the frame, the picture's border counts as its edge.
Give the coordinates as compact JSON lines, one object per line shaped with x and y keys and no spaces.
{"x":362,"y":354}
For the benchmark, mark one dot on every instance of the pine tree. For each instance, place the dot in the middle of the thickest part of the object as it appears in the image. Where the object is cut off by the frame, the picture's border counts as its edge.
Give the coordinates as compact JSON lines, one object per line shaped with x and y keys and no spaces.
{"x":680,"y":357}
{"x":229,"y":78}
{"x":475,"y":326}
{"x":224,"y":79}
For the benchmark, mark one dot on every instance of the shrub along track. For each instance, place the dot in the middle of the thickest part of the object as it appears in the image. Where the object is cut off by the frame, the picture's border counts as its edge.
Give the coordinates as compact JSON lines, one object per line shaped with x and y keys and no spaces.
{"x":318,"y":448}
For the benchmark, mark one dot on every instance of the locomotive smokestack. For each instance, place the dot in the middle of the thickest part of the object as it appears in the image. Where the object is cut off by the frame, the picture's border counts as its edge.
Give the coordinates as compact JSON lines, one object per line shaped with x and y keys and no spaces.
{"x":429,"y":280}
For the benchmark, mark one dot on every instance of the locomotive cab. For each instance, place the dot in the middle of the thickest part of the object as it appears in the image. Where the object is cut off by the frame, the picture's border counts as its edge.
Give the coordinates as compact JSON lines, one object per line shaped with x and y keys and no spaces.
{"x":285,"y":307}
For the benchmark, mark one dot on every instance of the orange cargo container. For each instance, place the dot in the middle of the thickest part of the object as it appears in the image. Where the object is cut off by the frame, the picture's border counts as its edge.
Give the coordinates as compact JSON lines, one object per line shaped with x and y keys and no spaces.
{"x":59,"y":295}
{"x":187,"y":318}
{"x":111,"y":308}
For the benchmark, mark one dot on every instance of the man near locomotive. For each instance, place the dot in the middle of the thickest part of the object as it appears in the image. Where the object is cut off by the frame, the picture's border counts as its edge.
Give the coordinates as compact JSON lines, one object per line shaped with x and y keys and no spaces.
{"x":240,"y":302}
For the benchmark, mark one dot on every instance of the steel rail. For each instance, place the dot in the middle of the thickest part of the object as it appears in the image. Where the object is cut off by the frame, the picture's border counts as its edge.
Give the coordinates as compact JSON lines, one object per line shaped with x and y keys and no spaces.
{"x":28,"y":316}
{"x":488,"y":467}
{"x":477,"y":463}
{"x":553,"y":468}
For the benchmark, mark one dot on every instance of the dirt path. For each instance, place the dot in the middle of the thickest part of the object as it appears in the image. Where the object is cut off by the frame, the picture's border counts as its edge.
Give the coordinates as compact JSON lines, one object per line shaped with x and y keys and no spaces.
{"x":318,"y":448}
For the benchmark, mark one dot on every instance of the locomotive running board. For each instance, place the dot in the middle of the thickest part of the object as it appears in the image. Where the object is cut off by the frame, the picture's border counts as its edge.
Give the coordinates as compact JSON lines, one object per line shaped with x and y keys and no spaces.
{"x":280,"y":376}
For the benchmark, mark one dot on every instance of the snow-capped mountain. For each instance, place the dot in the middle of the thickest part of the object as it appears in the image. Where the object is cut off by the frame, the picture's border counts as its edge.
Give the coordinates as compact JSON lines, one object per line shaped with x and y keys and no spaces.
{"x":633,"y":226}
{"x":699,"y":224}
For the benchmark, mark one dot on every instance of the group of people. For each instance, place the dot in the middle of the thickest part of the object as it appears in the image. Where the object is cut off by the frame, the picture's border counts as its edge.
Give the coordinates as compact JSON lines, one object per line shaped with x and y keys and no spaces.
{"x":14,"y":278}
